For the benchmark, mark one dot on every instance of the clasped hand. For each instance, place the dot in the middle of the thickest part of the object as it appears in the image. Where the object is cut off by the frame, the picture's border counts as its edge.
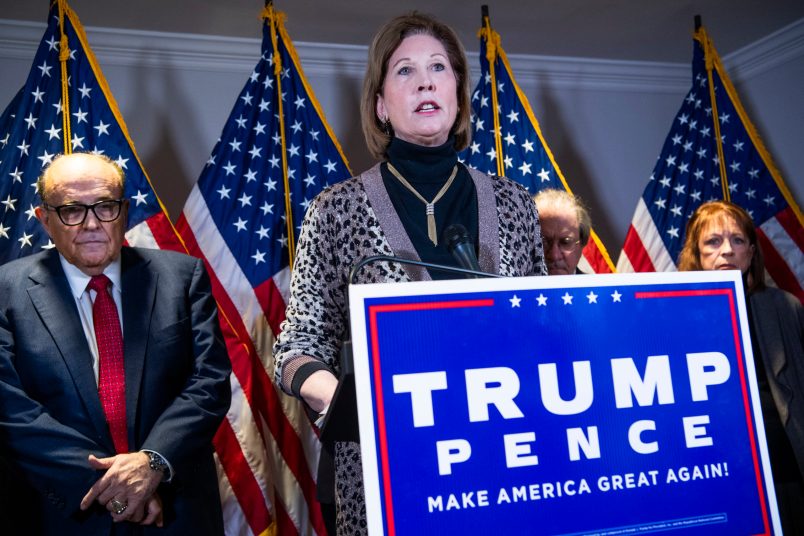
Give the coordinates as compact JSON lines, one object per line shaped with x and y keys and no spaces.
{"x":129,"y":481}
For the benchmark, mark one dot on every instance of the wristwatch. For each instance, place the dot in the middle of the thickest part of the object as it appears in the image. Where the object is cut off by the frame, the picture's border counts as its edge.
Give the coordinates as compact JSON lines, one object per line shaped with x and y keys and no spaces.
{"x":158,"y":463}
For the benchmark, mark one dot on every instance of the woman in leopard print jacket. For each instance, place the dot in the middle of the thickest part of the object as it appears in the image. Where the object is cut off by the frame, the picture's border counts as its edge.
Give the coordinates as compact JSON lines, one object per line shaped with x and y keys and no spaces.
{"x":416,"y":115}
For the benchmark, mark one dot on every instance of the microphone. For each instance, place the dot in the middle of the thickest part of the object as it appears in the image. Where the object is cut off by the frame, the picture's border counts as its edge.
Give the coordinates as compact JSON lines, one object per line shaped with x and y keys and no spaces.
{"x":340,"y":422}
{"x":457,"y":239}
{"x":468,"y":272}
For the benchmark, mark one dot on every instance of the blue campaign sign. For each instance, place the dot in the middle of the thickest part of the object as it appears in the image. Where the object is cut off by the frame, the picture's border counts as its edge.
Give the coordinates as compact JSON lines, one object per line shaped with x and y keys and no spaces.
{"x":600,"y":404}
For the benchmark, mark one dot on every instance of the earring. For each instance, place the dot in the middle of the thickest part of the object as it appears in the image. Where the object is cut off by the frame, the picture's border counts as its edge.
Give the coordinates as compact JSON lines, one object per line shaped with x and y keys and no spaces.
{"x":386,"y":125}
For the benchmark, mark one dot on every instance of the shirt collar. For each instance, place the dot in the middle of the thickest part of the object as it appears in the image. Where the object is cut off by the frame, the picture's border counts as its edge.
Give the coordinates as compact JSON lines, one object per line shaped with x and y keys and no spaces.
{"x":79,"y":280}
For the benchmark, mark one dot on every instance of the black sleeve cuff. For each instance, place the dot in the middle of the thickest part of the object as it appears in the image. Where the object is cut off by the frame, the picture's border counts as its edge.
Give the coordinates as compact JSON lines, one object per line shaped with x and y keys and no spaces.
{"x":304,"y":372}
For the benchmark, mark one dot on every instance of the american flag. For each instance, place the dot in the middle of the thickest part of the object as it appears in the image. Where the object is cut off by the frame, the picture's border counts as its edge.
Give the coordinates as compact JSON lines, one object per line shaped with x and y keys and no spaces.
{"x":66,"y":106}
{"x":713,"y":152}
{"x":275,"y":154}
{"x":510,"y":143}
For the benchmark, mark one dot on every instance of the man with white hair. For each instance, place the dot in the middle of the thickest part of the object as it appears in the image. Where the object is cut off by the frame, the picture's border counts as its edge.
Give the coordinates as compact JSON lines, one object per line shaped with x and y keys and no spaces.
{"x":565,"y":230}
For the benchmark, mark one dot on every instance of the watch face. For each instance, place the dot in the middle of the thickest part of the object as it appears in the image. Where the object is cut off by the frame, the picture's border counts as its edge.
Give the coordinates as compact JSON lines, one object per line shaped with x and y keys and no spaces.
{"x":157,"y":463}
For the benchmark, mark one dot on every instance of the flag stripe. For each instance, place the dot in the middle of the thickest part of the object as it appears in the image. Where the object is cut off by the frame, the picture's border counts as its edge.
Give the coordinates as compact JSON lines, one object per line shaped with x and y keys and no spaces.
{"x":634,"y":250}
{"x":788,"y":221}
{"x":257,"y":386}
{"x":272,"y":302}
{"x":786,"y":250}
{"x":142,"y":236}
{"x":778,"y":268}
{"x":241,"y":479}
{"x":645,"y":230}
{"x":596,"y":255}
{"x":233,"y":517}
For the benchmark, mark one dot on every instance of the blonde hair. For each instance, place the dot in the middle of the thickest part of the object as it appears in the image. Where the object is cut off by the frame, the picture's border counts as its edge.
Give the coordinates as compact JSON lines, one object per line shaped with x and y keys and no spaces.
{"x":561,"y":200}
{"x":385,"y":42}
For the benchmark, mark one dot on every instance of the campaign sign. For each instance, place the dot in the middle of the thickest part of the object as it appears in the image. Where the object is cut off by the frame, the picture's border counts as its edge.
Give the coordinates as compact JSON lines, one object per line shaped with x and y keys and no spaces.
{"x":601,"y":404}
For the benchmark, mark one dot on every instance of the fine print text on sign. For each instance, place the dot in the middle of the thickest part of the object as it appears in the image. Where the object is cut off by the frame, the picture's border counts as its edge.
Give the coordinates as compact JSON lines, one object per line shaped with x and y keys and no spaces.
{"x":601,"y":404}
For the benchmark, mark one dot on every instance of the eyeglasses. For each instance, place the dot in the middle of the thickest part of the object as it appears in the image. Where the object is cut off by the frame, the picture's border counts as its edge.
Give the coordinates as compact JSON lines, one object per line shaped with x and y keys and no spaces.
{"x":76,"y":213}
{"x":566,"y":244}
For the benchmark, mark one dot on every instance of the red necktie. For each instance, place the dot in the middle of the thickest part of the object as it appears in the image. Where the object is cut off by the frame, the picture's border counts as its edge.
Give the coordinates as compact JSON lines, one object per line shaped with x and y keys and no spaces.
{"x":111,"y":373}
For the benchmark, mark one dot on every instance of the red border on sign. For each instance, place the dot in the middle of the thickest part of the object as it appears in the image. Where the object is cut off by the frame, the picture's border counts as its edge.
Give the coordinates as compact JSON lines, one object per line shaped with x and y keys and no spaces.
{"x":373,"y":311}
{"x":746,"y":400}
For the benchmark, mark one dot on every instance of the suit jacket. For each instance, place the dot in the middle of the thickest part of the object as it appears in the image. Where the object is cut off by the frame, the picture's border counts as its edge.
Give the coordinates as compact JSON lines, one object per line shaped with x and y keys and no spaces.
{"x":177,"y":388}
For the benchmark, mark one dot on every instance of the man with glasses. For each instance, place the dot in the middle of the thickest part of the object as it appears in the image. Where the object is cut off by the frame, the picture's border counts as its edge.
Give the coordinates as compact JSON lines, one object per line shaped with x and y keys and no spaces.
{"x":565,"y":230}
{"x":113,"y":374}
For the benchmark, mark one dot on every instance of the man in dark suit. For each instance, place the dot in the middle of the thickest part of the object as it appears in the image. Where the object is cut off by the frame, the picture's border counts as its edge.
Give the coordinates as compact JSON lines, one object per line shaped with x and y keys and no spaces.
{"x":113,"y":374}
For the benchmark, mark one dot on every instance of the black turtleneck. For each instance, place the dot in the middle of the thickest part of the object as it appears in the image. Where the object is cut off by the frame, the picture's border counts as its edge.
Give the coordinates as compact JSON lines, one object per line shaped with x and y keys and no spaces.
{"x":427,"y":170}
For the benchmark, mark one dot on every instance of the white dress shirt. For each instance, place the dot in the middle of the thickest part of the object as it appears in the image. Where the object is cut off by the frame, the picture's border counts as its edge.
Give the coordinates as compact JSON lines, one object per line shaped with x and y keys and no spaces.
{"x":84,"y":298}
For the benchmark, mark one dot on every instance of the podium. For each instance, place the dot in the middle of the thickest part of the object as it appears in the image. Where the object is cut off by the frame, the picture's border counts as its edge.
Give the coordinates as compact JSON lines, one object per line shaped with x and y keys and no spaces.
{"x":340,"y":423}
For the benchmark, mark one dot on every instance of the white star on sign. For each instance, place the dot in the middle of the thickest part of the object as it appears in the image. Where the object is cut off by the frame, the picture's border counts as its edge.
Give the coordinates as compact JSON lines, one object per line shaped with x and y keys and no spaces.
{"x":542,"y":299}
{"x":567,"y":298}
{"x":515,"y":301}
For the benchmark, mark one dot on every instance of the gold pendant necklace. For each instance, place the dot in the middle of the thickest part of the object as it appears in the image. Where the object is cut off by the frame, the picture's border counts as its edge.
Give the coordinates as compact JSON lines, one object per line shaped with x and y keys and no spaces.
{"x":429,"y":206}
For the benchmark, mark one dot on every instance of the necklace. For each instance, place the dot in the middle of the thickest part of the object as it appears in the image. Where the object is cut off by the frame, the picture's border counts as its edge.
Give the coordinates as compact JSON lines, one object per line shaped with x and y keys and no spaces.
{"x":429,"y":206}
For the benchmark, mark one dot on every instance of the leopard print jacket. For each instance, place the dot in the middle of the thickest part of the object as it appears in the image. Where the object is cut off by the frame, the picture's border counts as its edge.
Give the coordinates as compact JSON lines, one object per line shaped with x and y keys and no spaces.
{"x":355,"y":219}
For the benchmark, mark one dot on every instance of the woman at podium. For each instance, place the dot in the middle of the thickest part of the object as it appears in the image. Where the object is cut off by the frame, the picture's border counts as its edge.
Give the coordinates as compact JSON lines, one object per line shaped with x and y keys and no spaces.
{"x":415,"y":113}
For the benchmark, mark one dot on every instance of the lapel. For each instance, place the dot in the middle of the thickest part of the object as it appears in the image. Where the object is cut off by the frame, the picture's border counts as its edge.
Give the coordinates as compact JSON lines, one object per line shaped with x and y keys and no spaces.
{"x":394,"y":230}
{"x":138,"y":287}
{"x":53,"y":300}
{"x":488,"y":223}
{"x":391,"y":225}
